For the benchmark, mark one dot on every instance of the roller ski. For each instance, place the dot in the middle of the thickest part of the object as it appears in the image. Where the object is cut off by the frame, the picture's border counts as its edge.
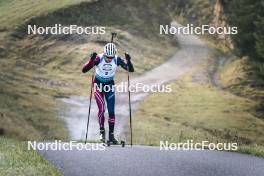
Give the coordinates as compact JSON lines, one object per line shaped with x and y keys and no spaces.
{"x":113,"y":141}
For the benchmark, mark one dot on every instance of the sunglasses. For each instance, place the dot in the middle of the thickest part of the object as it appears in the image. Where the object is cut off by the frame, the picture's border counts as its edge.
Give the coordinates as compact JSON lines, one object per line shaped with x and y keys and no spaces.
{"x":107,"y":57}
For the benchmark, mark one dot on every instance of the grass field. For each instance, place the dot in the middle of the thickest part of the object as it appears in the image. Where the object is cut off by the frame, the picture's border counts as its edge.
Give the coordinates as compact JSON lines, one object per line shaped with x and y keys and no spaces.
{"x":15,"y":159}
{"x":199,"y":111}
{"x":16,"y":12}
{"x":244,"y":77}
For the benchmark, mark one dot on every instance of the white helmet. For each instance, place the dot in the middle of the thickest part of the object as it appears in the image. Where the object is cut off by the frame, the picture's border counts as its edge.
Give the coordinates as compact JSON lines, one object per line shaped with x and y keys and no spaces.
{"x":110,"y":49}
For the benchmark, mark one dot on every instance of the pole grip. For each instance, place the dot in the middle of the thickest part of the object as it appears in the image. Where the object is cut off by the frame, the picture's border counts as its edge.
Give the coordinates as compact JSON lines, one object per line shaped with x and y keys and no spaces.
{"x":114,"y":34}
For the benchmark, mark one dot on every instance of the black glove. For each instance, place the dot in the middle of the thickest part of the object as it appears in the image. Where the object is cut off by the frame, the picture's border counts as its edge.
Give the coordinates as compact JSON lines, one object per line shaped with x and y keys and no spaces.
{"x":127,"y":56}
{"x":93,"y":55}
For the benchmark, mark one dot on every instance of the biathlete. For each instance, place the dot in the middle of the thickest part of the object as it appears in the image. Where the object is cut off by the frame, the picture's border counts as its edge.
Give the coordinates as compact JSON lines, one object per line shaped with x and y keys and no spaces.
{"x":106,"y":65}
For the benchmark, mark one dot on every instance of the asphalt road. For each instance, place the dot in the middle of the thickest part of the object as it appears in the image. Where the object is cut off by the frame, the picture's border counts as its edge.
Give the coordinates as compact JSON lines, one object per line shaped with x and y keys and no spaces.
{"x":144,"y":160}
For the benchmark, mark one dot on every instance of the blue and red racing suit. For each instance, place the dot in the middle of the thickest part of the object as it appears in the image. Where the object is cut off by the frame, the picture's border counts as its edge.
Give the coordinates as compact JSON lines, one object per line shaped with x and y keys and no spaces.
{"x":104,"y":76}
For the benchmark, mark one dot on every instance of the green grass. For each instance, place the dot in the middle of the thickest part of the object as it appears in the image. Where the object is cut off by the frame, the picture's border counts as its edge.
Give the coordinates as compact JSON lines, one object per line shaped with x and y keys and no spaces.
{"x":28,"y":107}
{"x":252,"y":150}
{"x":244,"y":77}
{"x":197,"y":12}
{"x":15,"y":159}
{"x":15,"y":12}
{"x":198,"y":112}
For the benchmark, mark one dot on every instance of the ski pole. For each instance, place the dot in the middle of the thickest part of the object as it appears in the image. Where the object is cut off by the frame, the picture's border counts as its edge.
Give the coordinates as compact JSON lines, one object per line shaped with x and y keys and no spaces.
{"x":129,"y":102}
{"x":89,"y":111}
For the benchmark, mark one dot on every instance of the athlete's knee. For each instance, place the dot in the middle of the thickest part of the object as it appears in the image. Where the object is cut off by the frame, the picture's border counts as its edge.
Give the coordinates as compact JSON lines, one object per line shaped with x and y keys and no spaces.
{"x":111,"y":119}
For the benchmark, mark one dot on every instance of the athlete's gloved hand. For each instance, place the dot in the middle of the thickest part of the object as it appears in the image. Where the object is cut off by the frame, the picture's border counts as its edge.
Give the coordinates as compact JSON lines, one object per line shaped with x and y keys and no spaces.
{"x":93,"y":55}
{"x":128,"y":57}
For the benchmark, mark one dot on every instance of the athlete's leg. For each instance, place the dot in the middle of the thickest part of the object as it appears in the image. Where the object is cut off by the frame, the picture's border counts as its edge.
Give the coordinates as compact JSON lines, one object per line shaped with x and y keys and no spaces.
{"x":110,"y":99}
{"x":99,"y":97}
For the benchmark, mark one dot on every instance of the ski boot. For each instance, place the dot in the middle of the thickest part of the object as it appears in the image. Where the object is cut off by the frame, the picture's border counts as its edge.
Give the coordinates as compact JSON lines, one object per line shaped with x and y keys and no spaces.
{"x":112,"y":139}
{"x":102,"y":135}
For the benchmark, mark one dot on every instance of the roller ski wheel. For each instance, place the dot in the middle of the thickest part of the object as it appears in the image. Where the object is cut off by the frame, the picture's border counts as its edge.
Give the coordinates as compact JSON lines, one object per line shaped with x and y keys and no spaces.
{"x":121,"y":143}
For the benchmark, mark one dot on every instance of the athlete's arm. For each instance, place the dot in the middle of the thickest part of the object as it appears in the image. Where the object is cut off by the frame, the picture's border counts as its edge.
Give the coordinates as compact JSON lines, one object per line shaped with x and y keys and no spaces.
{"x":127,"y":66}
{"x":94,"y":60}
